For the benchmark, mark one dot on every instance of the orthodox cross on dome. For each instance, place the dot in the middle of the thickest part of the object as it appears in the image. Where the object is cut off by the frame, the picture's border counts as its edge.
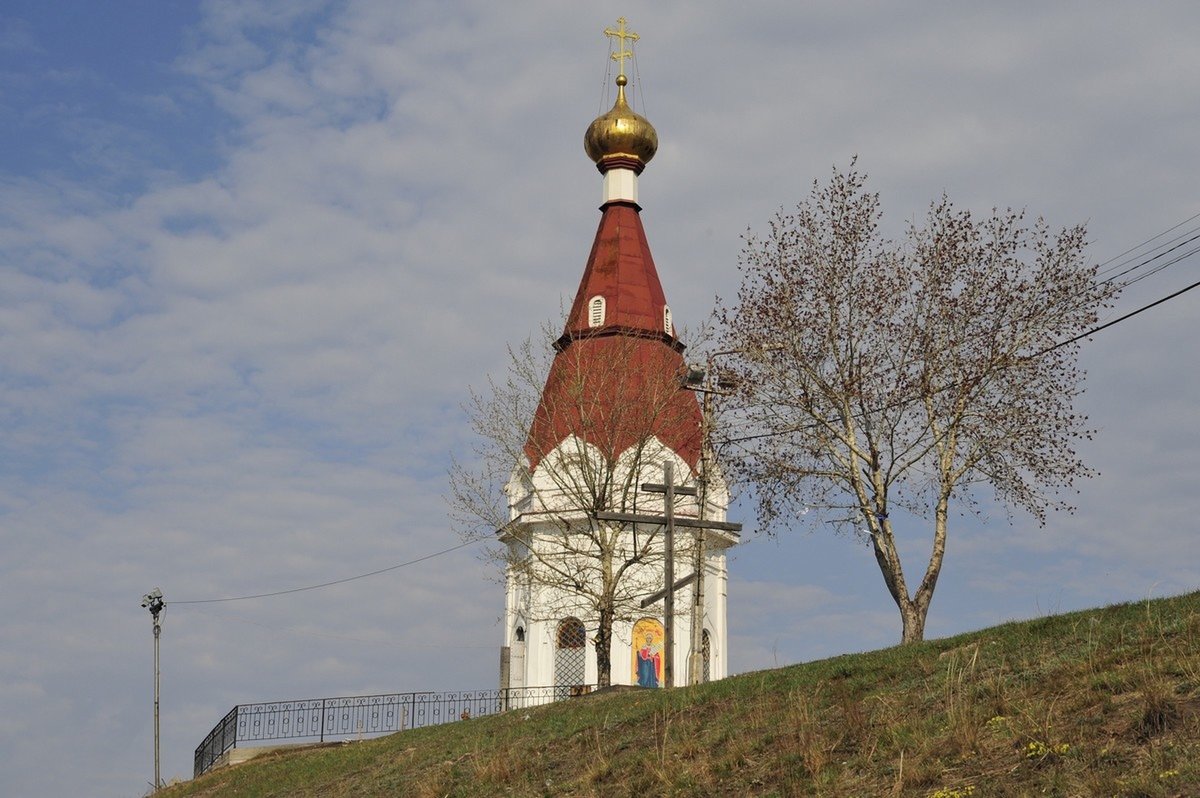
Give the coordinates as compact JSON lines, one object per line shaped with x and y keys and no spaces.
{"x":621,"y":35}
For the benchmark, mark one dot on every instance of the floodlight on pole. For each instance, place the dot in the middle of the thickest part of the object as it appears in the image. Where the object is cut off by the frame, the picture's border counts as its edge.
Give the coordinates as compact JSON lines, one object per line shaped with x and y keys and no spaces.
{"x":153,"y":601}
{"x":699,"y":380}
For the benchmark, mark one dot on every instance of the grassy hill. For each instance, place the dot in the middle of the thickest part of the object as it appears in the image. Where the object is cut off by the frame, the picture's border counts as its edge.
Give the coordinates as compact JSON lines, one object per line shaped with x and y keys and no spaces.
{"x":1097,"y":703}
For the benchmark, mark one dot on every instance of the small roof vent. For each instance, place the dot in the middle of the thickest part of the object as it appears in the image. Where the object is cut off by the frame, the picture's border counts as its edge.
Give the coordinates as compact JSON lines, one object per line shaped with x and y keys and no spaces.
{"x":596,"y":311}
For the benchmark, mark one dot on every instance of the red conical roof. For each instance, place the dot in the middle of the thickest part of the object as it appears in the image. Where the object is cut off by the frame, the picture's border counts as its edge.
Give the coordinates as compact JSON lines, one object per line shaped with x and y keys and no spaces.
{"x":614,"y":392}
{"x":617,"y":382}
{"x":621,"y":270}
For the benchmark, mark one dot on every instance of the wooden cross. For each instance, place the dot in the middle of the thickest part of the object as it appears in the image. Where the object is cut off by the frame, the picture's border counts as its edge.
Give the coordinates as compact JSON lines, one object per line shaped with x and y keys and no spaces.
{"x":620,"y":34}
{"x":668,"y":519}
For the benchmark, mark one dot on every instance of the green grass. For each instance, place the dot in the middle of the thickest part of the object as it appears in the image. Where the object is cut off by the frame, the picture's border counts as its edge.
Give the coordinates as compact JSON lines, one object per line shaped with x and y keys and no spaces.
{"x":1098,"y":703}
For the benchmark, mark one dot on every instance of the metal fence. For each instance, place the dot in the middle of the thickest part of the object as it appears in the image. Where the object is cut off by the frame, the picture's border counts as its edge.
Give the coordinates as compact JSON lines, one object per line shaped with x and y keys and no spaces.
{"x":314,"y":720}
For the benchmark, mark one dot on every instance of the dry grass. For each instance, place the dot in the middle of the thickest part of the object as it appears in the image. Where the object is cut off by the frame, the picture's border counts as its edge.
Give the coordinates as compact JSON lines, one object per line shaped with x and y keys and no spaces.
{"x":1105,"y":702}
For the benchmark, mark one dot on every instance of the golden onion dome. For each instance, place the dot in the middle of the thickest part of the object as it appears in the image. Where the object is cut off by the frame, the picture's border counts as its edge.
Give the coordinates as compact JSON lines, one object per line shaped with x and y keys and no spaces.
{"x":621,"y":132}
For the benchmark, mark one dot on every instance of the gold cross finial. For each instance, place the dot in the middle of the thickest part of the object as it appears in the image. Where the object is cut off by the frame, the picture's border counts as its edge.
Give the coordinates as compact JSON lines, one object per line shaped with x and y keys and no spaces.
{"x":621,"y":35}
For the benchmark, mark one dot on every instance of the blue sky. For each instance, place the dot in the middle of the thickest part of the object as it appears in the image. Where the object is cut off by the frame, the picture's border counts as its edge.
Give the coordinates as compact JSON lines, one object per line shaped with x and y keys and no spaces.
{"x":255,"y":254}
{"x":88,"y":94}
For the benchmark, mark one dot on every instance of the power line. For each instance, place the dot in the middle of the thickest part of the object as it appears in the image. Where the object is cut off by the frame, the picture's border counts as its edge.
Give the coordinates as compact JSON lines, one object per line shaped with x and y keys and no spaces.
{"x":334,"y":582}
{"x":1151,"y":259}
{"x":325,"y":635}
{"x":1118,"y":285}
{"x":1116,"y":321}
{"x":1051,"y":348}
{"x":1144,"y":243}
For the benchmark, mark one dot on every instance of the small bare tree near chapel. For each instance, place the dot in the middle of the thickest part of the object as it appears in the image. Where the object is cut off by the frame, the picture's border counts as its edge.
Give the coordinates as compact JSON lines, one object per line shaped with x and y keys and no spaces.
{"x":553,"y":451}
{"x":881,"y":376}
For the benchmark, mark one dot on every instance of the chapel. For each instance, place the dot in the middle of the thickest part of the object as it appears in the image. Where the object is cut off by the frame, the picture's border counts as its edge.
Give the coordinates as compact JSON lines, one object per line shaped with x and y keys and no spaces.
{"x":616,"y":421}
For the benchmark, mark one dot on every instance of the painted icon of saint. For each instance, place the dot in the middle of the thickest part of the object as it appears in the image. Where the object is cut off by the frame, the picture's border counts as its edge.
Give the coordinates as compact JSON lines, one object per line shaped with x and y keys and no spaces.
{"x":649,"y":664}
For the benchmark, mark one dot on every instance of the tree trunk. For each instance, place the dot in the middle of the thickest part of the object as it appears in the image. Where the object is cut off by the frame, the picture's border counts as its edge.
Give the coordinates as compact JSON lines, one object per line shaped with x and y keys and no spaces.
{"x":603,"y":644}
{"x":912,"y":610}
{"x":912,"y":615}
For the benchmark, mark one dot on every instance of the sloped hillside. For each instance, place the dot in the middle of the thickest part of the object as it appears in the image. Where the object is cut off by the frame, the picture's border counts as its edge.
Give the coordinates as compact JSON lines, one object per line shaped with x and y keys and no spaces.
{"x":1098,"y":703}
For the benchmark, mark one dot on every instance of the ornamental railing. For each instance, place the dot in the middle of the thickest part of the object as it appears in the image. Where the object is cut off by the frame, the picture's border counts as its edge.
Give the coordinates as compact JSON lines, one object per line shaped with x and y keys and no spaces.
{"x":317,"y":720}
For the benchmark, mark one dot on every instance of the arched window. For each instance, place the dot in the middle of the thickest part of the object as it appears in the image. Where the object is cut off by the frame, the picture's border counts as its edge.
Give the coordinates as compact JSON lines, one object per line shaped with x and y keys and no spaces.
{"x":706,"y":655}
{"x":666,"y":320}
{"x":596,"y":311}
{"x":569,"y":656}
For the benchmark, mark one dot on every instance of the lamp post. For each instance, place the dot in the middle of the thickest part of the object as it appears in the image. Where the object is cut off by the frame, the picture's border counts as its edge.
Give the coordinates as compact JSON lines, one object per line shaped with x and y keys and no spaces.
{"x":153,"y":601}
{"x":693,"y":380}
{"x":698,"y":380}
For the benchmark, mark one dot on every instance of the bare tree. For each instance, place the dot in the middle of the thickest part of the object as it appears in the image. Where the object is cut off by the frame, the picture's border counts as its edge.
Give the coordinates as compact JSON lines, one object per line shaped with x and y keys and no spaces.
{"x":552,"y":454}
{"x":882,"y":376}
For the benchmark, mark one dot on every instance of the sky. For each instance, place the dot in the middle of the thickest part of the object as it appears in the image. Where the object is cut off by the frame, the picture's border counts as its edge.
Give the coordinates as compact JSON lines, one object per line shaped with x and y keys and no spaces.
{"x":256,"y":254}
